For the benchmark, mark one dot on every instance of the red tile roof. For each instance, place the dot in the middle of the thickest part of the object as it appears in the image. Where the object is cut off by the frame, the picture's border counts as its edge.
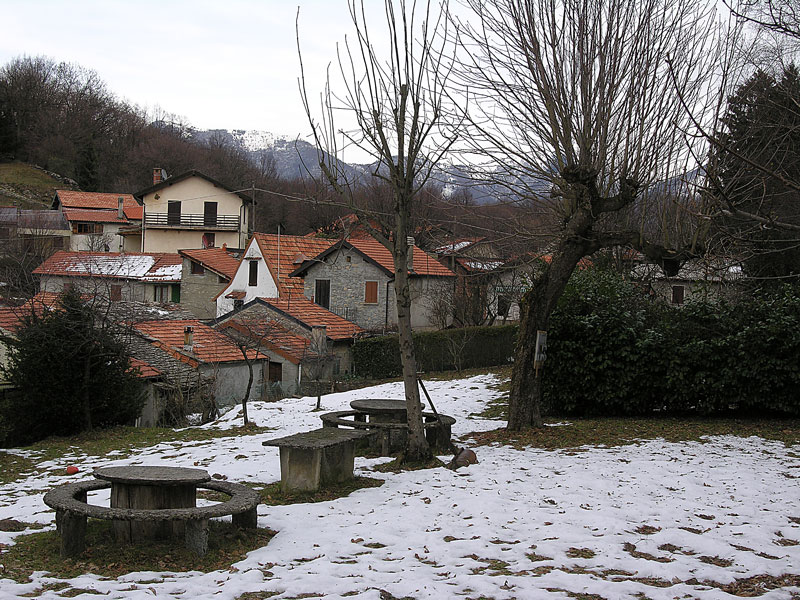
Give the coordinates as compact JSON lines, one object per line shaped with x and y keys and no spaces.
{"x":145,"y":370}
{"x":423,"y":263}
{"x":11,"y":316}
{"x":215,"y":259}
{"x":153,"y":266}
{"x":99,"y":200}
{"x":312,"y":314}
{"x":209,"y":345}
{"x":291,"y":247}
{"x":274,"y":336}
{"x":93,"y":216}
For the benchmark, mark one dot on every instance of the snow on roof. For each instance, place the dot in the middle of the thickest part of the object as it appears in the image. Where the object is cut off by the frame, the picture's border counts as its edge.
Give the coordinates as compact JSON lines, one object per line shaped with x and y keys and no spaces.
{"x":152,"y":267}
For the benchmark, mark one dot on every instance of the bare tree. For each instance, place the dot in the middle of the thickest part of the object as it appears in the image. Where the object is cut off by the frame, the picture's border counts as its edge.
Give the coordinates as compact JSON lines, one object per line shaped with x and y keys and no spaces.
{"x":579,"y":106}
{"x":396,"y":101}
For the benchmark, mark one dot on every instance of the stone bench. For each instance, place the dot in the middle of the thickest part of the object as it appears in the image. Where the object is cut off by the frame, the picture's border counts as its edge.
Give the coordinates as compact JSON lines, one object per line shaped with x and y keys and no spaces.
{"x":72,"y":510}
{"x":391,"y":437}
{"x":316,"y":458}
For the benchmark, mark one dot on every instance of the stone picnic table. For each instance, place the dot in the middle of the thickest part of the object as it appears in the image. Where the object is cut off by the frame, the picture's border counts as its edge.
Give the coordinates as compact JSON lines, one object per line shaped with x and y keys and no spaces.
{"x":151,"y":487}
{"x":381,"y":410}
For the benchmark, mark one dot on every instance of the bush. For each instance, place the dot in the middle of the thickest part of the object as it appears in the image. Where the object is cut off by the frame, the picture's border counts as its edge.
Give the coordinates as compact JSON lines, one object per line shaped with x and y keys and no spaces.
{"x":71,"y":374}
{"x":444,"y":350}
{"x":612,"y":353}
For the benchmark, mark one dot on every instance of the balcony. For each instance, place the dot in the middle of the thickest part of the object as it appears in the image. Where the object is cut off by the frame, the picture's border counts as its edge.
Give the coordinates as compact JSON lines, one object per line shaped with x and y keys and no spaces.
{"x":182,"y":221}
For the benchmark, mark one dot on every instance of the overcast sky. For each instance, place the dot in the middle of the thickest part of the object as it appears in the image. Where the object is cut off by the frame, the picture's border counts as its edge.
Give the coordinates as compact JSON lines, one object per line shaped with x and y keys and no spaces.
{"x":229,"y":64}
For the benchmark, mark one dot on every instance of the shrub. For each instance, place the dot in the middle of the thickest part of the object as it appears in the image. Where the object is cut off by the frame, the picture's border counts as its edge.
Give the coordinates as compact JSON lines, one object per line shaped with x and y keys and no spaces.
{"x":71,"y":374}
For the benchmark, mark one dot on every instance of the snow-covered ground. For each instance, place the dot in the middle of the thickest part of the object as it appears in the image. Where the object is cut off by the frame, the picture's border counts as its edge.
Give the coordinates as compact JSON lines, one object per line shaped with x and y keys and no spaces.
{"x":690,"y":517}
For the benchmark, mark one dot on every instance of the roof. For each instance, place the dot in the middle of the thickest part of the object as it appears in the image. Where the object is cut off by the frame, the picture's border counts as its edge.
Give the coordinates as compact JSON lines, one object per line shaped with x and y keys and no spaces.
{"x":33,"y":219}
{"x":193,"y":173}
{"x":479,"y":264}
{"x":209,"y":345}
{"x":423,"y":263}
{"x":11,"y":316}
{"x":457,"y":245}
{"x":146,"y":370}
{"x":218,"y":260}
{"x":100,"y":200}
{"x":154,"y":266}
{"x":93,"y":216}
{"x":274,"y":336}
{"x":311,"y":314}
{"x":294,"y":250}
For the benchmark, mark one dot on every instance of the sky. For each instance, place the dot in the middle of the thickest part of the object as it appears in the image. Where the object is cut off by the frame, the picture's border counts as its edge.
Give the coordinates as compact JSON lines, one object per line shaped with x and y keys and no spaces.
{"x":229,"y":64}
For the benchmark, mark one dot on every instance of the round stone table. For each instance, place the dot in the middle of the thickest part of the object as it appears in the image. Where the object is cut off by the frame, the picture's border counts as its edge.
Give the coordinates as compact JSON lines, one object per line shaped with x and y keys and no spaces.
{"x":150,"y":487}
{"x":381,"y":410}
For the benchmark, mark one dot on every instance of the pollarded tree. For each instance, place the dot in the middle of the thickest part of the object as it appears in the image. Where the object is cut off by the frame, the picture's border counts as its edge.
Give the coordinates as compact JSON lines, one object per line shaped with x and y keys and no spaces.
{"x":72,"y":373}
{"x":392,"y":87}
{"x":579,"y":106}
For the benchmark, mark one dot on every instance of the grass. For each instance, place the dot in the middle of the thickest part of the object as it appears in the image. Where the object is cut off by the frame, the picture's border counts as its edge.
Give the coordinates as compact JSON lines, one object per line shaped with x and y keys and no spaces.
{"x":273,"y":495}
{"x":624,"y":431}
{"x":105,"y":557}
{"x":100,"y":442}
{"x":30,"y":187}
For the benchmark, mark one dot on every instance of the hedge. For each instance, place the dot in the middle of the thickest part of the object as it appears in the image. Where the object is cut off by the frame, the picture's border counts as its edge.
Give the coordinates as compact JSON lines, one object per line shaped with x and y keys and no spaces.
{"x":470,"y":347}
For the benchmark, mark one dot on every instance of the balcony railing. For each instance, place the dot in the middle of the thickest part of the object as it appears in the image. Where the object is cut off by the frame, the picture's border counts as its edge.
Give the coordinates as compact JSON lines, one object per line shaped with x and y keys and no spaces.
{"x":167,"y":221}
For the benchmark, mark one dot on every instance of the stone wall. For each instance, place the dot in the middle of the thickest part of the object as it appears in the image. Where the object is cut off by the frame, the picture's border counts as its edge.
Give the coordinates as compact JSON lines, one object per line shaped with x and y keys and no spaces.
{"x":198,"y":291}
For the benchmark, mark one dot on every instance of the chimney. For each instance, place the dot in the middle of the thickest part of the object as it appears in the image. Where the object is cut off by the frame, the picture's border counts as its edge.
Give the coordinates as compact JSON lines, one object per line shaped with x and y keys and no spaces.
{"x":188,"y":338}
{"x":158,"y":175}
{"x":410,"y":260}
{"x":319,"y":338}
{"x":120,"y":207}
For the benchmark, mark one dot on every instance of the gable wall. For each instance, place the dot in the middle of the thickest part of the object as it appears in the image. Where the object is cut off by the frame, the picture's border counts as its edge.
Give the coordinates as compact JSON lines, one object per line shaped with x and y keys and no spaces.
{"x":266,"y":287}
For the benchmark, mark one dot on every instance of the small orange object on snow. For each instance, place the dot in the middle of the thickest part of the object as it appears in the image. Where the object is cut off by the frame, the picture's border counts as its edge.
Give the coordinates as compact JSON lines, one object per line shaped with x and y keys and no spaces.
{"x":72,"y":469}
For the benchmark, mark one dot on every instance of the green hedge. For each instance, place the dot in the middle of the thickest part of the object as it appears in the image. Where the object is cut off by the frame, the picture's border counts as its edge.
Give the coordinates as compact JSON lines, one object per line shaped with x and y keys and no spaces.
{"x":379,"y":357}
{"x":611,"y":352}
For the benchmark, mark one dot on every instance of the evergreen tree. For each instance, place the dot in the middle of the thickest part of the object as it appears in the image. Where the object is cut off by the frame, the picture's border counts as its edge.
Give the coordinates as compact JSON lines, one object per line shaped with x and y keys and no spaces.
{"x":71,"y":372}
{"x":758,"y":168}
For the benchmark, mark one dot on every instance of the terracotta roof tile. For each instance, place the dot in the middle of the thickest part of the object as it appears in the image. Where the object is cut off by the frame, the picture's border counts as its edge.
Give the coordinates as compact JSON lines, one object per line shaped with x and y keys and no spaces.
{"x":274,"y":336}
{"x":290,"y":247}
{"x":145,"y":370}
{"x":423,"y":263}
{"x":218,"y":260}
{"x":312,"y":314}
{"x":209,"y":345}
{"x":70,"y":199}
{"x":154,"y":266}
{"x":93,"y":216}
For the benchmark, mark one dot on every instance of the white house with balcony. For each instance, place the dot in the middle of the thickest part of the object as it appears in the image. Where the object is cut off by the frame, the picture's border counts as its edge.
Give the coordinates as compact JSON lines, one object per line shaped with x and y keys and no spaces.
{"x":191,"y":210}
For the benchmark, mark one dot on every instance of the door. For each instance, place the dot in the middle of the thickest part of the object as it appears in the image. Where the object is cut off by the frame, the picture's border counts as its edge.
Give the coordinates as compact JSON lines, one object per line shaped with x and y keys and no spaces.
{"x":322,"y":292}
{"x":275,"y":372}
{"x":209,"y":214}
{"x":174,"y":212}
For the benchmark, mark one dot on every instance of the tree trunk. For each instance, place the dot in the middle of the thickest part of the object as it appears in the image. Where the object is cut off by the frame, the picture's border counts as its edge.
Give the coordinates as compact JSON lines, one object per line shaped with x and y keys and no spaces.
{"x":417,"y":448}
{"x":87,"y":404}
{"x":247,"y":391}
{"x":536,"y":306}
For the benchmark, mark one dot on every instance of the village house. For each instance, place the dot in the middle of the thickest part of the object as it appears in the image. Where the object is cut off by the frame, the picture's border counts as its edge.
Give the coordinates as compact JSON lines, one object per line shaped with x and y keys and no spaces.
{"x":697,"y":279}
{"x":204,"y":274}
{"x":214,"y":357}
{"x":265,"y":267}
{"x":33,"y":232}
{"x":303,"y":340}
{"x":189,"y":211}
{"x":95,"y":219}
{"x":154,"y":277}
{"x":354,"y":278}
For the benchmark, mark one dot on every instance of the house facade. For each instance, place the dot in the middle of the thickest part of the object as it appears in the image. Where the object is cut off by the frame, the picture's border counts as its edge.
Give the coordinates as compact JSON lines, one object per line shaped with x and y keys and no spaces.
{"x":95,"y":219}
{"x":137,"y":277}
{"x":204,"y":274}
{"x":354,"y":278}
{"x":189,"y":211}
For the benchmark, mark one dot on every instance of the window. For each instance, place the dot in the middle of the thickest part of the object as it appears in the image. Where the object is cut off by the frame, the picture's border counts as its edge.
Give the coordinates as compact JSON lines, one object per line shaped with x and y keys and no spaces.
{"x":503,"y":305}
{"x":174,"y":212}
{"x":209,"y":214}
{"x":238,"y":303}
{"x":208,"y":239}
{"x":371,"y":292}
{"x":161,"y":294}
{"x":322,"y":292}
{"x":678,"y":292}
{"x":87,"y":228}
{"x":116,"y":292}
{"x":198,"y":269}
{"x":275,"y":373}
{"x":253,"y":281}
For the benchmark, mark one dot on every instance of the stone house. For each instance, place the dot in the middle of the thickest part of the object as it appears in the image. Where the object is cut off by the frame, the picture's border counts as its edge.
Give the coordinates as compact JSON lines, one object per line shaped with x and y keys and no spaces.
{"x":215,"y":358}
{"x":265,"y":268}
{"x":96,"y":219}
{"x":697,"y":279}
{"x":354,"y":278}
{"x":190,"y":210}
{"x":205,"y":273}
{"x":303,"y":340}
{"x":154,"y":277}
